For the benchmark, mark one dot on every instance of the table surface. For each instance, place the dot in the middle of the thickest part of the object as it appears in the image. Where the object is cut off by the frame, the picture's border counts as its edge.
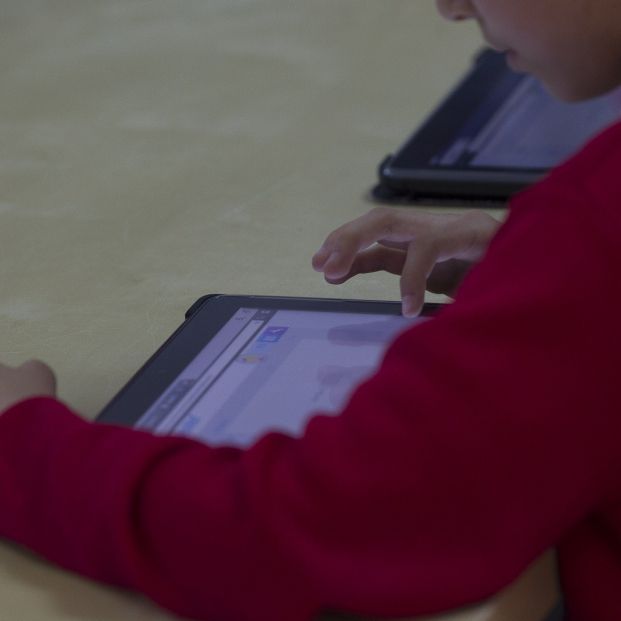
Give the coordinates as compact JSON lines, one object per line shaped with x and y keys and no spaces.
{"x":152,"y":151}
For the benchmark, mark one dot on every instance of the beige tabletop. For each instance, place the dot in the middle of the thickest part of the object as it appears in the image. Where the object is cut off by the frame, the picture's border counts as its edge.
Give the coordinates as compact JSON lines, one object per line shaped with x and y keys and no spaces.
{"x":152,"y":151}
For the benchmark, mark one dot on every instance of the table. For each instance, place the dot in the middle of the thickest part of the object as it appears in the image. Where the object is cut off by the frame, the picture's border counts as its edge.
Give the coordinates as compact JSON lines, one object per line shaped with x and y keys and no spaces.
{"x":152,"y":151}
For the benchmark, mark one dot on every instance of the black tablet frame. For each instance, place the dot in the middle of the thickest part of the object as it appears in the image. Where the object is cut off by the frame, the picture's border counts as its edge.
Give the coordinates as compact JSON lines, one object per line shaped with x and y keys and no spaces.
{"x":489,"y":80}
{"x":202,"y":322}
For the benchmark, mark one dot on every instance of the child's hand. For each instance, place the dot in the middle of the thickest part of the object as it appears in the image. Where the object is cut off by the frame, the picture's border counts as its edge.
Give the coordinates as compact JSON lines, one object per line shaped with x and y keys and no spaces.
{"x":430,"y":251}
{"x":31,"y":379}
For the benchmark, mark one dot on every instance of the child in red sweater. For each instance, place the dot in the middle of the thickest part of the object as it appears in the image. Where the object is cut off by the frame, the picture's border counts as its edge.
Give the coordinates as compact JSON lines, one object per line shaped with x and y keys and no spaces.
{"x":488,"y":434}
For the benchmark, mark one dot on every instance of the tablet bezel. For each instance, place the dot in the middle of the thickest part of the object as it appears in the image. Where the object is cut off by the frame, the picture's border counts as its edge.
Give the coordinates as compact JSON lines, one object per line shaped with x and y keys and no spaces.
{"x":489,"y":78}
{"x":203,"y":321}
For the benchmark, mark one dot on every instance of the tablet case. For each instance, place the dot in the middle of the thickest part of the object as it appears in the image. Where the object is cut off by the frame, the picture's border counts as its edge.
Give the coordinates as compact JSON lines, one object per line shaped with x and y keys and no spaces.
{"x":439,"y":163}
{"x":488,"y":68}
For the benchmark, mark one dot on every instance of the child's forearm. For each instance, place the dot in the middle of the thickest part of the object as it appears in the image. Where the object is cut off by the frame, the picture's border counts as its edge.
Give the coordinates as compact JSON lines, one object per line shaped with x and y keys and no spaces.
{"x":163,"y":516}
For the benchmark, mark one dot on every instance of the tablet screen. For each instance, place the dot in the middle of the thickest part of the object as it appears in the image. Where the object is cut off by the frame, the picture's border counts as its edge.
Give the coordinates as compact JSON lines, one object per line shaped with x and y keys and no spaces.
{"x":495,"y":134}
{"x":530,"y":129}
{"x":269,"y":369}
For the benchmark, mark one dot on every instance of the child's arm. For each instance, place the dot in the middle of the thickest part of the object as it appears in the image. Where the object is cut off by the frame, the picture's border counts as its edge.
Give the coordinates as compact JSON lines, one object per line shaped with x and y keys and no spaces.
{"x":429,"y":251}
{"x":487,"y":435}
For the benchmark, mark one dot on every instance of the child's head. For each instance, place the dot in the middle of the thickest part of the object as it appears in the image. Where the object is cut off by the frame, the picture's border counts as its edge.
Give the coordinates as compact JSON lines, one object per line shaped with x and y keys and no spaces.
{"x":572,"y":46}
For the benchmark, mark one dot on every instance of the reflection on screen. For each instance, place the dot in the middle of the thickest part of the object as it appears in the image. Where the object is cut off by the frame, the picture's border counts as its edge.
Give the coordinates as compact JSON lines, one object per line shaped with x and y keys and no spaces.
{"x":530,"y":130}
{"x":269,"y":370}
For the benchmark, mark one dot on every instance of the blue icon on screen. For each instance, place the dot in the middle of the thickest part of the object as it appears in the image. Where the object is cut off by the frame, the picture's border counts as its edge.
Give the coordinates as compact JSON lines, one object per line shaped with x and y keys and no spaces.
{"x":272,"y":335}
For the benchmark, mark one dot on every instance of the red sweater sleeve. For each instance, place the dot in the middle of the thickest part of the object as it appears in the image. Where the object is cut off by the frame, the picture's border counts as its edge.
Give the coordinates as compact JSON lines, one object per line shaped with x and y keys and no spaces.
{"x":486,"y":436}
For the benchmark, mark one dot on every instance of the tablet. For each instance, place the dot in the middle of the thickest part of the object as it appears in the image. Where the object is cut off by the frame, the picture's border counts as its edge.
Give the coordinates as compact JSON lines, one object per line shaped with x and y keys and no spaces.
{"x":496,"y":133}
{"x":242,"y":366}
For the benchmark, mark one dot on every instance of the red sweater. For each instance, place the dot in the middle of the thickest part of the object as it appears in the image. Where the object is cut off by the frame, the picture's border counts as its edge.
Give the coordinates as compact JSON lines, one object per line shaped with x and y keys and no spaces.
{"x":488,"y":435}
